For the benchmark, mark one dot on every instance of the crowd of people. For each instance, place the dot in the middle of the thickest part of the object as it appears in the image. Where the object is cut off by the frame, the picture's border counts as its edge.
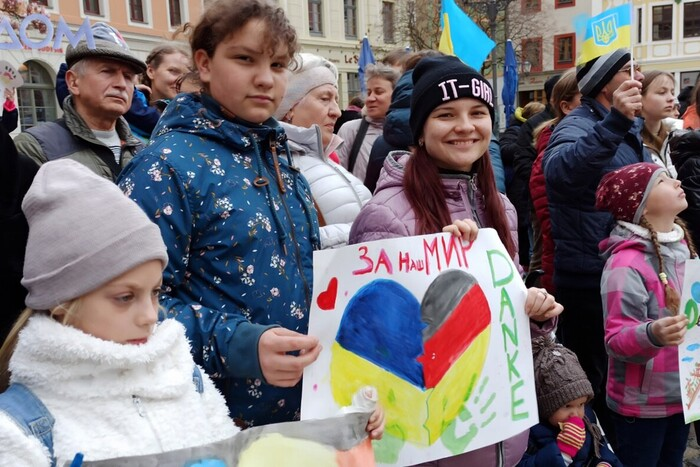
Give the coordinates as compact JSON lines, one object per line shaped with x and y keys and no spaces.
{"x":178,"y":314}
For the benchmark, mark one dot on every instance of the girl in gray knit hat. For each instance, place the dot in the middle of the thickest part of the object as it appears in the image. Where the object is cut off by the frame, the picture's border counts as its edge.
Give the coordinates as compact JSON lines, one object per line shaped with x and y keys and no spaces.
{"x":89,"y":369}
{"x":568,"y":434}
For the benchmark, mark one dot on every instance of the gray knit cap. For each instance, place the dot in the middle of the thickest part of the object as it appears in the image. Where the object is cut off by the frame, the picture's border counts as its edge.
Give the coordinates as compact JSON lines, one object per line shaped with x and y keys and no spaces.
{"x":83,"y":232}
{"x":311,"y":72}
{"x":593,"y":75}
{"x":109,"y":44}
{"x":559,"y":378}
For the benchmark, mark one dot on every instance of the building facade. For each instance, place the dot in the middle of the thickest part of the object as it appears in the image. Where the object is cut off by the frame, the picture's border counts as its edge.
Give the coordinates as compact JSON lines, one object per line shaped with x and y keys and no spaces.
{"x":665,"y":36}
{"x":143,"y":24}
{"x":335,"y":28}
{"x":331,"y":28}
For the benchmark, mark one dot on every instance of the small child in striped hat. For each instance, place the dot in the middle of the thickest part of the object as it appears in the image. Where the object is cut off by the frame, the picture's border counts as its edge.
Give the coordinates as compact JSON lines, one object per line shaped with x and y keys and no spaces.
{"x":568,"y":433}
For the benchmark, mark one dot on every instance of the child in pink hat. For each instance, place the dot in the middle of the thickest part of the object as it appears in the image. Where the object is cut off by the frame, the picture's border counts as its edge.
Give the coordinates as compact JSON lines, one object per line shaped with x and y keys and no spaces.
{"x":640,"y":289}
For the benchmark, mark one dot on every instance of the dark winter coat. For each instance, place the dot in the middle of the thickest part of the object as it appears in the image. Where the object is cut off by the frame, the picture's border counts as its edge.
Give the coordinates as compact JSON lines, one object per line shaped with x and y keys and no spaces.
{"x":588,"y":143}
{"x":685,"y":154}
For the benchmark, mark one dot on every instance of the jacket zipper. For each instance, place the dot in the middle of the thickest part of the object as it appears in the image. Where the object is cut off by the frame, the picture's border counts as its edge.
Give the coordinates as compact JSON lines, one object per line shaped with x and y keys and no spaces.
{"x":292,"y":234}
{"x":142,"y":413}
{"x":500,"y":461}
{"x":471,"y":194}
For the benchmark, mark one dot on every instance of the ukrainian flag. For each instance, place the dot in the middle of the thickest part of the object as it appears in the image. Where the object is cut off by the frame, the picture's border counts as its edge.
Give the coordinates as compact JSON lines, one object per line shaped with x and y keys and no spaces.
{"x":462,"y":37}
{"x":610,"y":30}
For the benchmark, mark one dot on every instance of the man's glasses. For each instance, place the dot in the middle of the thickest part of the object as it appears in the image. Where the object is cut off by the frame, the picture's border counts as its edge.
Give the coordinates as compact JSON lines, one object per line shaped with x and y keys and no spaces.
{"x":627,"y":69}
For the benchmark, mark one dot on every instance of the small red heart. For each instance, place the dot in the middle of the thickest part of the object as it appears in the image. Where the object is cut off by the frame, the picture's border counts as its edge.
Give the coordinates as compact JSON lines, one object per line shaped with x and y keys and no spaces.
{"x":326,"y":299}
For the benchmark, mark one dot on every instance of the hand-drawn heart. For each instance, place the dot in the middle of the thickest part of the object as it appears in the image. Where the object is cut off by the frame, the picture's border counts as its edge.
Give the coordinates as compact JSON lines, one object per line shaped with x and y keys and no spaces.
{"x":326,"y":299}
{"x":424,"y":358}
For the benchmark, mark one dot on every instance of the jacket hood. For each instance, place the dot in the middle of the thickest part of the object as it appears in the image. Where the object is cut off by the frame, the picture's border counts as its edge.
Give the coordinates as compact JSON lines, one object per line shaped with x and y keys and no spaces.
{"x":397,"y":130}
{"x":622,"y":239}
{"x":626,"y":235}
{"x":184,"y":114}
{"x":63,"y":359}
{"x":394,"y":166}
{"x":309,"y":141}
{"x":684,"y":146}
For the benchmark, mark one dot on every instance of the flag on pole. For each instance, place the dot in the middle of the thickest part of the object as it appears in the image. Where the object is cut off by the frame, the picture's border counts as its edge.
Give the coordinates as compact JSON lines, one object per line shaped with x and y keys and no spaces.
{"x":462,"y":37}
{"x":366,"y":58}
{"x":608,"y":31}
{"x":510,"y":81}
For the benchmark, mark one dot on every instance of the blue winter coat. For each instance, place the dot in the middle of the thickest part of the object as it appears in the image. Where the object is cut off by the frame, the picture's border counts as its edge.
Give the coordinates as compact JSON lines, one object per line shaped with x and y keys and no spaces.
{"x":588,"y":143}
{"x":542,"y":449}
{"x":240,"y":241}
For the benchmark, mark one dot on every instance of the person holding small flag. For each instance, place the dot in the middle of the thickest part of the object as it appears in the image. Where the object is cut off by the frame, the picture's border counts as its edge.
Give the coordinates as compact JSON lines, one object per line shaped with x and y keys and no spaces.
{"x":601,"y":135}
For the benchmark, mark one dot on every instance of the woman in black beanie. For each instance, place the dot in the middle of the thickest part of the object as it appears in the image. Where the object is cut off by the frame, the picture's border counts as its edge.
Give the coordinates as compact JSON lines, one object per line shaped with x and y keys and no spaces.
{"x":447,"y":185}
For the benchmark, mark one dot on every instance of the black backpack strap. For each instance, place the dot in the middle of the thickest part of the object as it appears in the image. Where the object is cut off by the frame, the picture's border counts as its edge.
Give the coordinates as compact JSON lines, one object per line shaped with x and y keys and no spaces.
{"x":357,"y":144}
{"x":30,"y":414}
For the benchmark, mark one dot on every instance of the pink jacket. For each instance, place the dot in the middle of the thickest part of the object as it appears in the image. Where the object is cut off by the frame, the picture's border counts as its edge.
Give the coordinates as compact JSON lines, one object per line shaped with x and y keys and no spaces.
{"x":389,"y":215}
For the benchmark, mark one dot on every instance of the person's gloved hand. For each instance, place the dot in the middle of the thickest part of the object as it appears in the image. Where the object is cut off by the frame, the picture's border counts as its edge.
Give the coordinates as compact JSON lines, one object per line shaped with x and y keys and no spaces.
{"x":572,"y":436}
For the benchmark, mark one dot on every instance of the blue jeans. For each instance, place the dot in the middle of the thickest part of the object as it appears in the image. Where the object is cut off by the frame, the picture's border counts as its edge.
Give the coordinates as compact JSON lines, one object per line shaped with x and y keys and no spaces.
{"x":651,"y":442}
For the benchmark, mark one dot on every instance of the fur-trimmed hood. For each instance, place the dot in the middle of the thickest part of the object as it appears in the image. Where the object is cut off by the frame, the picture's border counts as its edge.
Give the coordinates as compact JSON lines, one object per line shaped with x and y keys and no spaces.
{"x":62,"y":359}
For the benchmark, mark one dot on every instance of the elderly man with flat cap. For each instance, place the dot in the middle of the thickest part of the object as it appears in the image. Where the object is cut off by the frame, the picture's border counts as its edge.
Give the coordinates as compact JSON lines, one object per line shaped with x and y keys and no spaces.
{"x":92,"y":131}
{"x":601,"y":135}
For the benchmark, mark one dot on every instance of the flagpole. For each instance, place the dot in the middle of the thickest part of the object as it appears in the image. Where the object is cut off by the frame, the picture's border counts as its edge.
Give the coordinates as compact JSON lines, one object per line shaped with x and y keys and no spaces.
{"x":631,"y":43}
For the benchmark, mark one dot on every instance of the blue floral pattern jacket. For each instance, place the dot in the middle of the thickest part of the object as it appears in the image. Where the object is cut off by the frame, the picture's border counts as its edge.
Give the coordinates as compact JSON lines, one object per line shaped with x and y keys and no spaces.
{"x":240,"y":228}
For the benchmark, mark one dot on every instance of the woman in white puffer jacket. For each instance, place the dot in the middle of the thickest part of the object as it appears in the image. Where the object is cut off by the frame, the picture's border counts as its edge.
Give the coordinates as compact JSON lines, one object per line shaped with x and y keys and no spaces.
{"x":308,"y":114}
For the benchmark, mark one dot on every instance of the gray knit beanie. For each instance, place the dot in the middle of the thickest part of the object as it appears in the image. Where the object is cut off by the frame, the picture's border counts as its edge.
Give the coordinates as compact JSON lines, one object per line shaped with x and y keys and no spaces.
{"x":593,"y":75}
{"x":559,"y":378}
{"x":109,"y":44}
{"x":311,"y":72}
{"x":83,"y":232}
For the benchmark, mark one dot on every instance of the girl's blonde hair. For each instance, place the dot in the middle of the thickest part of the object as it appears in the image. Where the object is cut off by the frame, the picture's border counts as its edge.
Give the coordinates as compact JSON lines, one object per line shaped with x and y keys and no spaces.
{"x":565,"y":90}
{"x":655,"y":141}
{"x":8,"y":347}
{"x":158,"y":53}
{"x":671,"y":296}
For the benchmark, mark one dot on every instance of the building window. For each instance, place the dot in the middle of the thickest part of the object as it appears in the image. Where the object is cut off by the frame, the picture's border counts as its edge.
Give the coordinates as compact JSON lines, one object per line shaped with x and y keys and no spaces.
{"x":564,"y":3}
{"x":564,"y":50}
{"x":388,"y":22}
{"x":315,"y":17}
{"x":350,"y":19}
{"x":531,"y":6}
{"x":662,"y":23}
{"x":354,"y":88}
{"x":42,"y":2}
{"x":175,"y":10}
{"x":36,"y":99}
{"x":136,"y":11}
{"x":639,"y":25}
{"x":532,"y":52}
{"x":691,"y":19}
{"x":91,"y":7}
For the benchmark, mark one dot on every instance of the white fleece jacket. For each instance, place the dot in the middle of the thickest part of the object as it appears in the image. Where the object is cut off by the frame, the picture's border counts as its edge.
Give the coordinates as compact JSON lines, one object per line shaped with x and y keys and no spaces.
{"x":338,"y":194}
{"x":111,"y":400}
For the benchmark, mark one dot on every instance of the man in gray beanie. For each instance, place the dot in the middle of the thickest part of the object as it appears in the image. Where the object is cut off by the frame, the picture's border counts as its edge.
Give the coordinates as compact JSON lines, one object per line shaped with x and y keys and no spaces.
{"x":101,"y":82}
{"x":601,"y":135}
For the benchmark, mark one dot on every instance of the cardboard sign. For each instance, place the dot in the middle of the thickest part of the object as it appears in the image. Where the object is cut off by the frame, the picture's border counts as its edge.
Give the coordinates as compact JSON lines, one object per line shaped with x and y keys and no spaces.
{"x":439,"y":328}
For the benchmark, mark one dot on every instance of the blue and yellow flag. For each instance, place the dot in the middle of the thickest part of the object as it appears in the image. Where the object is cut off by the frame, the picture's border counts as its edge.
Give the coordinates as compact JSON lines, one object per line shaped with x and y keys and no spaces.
{"x":610,"y":30}
{"x":462,"y":37}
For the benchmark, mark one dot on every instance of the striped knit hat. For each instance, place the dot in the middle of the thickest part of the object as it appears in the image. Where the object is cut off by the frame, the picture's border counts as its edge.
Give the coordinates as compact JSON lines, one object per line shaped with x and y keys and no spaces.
{"x":593,"y":75}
